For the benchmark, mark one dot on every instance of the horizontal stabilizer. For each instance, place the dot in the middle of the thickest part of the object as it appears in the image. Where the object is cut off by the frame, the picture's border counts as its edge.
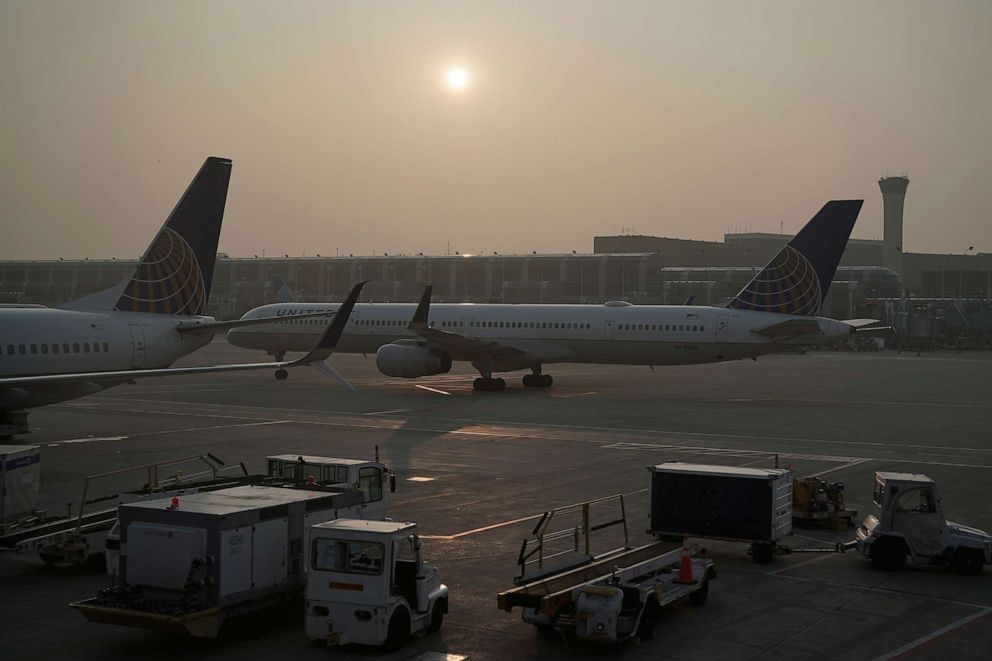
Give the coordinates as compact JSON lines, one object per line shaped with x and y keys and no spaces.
{"x":790,"y":328}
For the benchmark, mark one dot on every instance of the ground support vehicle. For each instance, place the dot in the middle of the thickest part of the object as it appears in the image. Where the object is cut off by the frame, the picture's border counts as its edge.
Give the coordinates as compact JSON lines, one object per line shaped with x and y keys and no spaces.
{"x":615,"y":598}
{"x":818,"y":503}
{"x":909,"y":522}
{"x":752,"y":505}
{"x":190,"y":563}
{"x":369,"y":477}
{"x":368,"y":584}
{"x":74,"y":538}
{"x":20,"y":482}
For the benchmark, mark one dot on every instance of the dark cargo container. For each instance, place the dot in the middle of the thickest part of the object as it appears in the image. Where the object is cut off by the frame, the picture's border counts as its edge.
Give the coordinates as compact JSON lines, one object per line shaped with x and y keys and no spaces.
{"x":722,"y":502}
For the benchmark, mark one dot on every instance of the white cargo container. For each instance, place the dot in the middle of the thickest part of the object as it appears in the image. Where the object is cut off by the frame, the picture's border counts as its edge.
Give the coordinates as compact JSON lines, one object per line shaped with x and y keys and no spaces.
{"x":189,"y":564}
{"x":20,"y":480}
{"x":722,"y":502}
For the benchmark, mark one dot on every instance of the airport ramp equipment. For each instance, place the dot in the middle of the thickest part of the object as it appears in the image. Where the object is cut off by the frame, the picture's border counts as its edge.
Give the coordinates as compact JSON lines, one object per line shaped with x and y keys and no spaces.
{"x":616,"y":597}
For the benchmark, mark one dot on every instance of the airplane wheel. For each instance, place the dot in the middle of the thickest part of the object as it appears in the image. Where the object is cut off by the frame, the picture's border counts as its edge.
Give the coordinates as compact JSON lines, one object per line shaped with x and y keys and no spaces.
{"x":488,"y":385}
{"x":281,"y":374}
{"x":888,"y":554}
{"x":537,"y":380}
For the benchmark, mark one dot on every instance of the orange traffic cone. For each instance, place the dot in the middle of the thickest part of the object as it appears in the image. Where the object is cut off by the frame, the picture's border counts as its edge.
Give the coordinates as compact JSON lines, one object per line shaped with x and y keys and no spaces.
{"x":685,"y":563}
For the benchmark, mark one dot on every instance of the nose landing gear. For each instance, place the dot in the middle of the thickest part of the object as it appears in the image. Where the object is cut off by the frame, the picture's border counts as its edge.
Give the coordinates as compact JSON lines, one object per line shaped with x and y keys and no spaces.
{"x":281,"y":374}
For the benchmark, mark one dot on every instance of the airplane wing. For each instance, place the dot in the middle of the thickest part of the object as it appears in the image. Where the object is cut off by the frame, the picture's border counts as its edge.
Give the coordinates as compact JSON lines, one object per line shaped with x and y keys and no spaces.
{"x":453,"y":343}
{"x":216,"y":326}
{"x":320,"y":351}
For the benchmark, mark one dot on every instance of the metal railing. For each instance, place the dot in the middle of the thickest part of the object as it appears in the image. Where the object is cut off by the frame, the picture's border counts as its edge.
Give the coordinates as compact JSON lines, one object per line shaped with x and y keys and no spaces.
{"x":579,"y":533}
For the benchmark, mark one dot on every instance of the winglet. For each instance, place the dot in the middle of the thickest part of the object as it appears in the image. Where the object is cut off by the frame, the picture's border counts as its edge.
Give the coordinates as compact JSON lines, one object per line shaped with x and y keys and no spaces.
{"x":423,"y":309}
{"x":329,"y":340}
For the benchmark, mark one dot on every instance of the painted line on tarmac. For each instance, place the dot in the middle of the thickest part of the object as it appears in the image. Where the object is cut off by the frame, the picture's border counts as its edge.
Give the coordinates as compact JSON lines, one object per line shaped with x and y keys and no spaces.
{"x":440,"y":392}
{"x":386,"y":412}
{"x":89,"y":439}
{"x":580,"y":394}
{"x":874,"y":588}
{"x":517,"y":430}
{"x":736,"y":453}
{"x":859,"y":402}
{"x":503,"y":524}
{"x":840,"y":468}
{"x":933,"y":635}
{"x":93,"y":439}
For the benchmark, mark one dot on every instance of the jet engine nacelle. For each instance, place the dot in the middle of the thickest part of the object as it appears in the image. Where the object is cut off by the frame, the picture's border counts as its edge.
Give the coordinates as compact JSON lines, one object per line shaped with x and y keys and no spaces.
{"x":411,"y":361}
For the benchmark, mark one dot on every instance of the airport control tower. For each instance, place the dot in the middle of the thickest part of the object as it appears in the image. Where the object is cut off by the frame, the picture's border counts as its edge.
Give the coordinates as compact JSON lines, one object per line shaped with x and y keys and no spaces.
{"x":893,"y":197}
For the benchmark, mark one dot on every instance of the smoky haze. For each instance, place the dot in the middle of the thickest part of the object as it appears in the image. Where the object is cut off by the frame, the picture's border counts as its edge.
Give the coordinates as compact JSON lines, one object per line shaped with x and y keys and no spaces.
{"x":578,"y":119}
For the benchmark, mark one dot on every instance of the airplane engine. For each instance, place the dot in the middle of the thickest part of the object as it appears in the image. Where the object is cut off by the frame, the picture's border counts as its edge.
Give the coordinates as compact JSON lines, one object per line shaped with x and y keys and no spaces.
{"x":411,"y":361}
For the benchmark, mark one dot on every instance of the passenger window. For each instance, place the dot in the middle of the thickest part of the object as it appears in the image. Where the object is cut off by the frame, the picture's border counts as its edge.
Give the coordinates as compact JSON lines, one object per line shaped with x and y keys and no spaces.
{"x":75,"y":347}
{"x":370,"y":483}
{"x":55,"y":348}
{"x":920,"y":501}
{"x":96,"y":347}
{"x":44,"y":348}
{"x":65,"y":348}
{"x":34,"y":348}
{"x":21,"y":349}
{"x":702,"y":329}
{"x":86,"y":347}
{"x":106,"y":347}
{"x":10,"y":349}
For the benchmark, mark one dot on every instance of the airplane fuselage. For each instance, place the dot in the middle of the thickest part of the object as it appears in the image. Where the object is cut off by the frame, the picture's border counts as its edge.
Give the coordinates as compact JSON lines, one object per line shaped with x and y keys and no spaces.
{"x":604,"y":334}
{"x":37,"y":341}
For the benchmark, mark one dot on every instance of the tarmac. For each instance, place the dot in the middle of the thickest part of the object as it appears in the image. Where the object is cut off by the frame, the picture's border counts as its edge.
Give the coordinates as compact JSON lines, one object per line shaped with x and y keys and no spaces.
{"x":475,"y":470}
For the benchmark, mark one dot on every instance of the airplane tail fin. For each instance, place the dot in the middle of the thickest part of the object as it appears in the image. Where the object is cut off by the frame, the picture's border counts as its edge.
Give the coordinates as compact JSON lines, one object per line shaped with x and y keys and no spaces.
{"x":796,"y":280}
{"x":174,"y":274}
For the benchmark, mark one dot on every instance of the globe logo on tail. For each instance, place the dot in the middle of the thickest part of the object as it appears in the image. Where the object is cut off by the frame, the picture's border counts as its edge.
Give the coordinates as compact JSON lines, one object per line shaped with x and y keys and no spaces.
{"x":788,"y":285}
{"x":168,"y":279}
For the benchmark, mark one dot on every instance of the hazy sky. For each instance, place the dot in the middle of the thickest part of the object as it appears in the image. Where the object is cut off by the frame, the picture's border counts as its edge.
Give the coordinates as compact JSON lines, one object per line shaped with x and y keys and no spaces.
{"x":679,"y":119}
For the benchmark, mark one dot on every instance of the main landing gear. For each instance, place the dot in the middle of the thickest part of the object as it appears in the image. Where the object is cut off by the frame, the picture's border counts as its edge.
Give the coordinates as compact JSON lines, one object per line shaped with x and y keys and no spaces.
{"x":281,"y":373}
{"x":538,"y":381}
{"x":488,"y":384}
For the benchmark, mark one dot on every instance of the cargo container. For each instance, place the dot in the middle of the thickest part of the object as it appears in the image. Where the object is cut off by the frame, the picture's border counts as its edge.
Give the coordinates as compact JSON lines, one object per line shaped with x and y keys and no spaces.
{"x":722,"y":502}
{"x":20,"y":480}
{"x":190,"y":563}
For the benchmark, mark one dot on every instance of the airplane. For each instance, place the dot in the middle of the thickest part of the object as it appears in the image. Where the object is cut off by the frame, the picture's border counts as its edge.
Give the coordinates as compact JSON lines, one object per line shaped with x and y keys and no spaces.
{"x":776,"y":311}
{"x":141,"y":326}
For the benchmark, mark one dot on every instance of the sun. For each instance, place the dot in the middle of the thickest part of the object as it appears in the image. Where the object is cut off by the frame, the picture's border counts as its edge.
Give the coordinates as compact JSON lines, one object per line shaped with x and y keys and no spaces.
{"x":457,"y":78}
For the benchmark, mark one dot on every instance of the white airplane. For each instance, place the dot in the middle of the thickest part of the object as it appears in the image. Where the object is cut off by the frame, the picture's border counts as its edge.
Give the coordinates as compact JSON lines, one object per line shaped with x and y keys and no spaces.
{"x":774,"y":312}
{"x":141,"y":326}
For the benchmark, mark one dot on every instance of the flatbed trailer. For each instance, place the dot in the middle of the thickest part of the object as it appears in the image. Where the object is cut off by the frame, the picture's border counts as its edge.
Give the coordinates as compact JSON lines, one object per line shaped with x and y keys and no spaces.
{"x":617,"y":596}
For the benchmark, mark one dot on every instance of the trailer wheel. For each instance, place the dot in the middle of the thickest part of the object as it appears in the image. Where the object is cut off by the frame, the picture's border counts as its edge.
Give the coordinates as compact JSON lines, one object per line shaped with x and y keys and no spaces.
{"x":967,"y":562}
{"x":698,"y":598}
{"x":437,"y":617}
{"x":762,"y":553}
{"x":645,"y":628}
{"x":399,"y":630}
{"x":52,"y":559}
{"x":888,"y":554}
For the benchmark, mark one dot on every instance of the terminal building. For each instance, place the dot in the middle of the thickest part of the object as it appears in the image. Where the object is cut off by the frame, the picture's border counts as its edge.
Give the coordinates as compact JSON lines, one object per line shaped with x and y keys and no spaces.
{"x":876,"y":278}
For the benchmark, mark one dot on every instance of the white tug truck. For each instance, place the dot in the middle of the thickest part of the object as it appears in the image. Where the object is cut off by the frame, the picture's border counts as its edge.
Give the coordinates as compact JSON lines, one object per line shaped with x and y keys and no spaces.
{"x":368,"y":584}
{"x":910,"y":522}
